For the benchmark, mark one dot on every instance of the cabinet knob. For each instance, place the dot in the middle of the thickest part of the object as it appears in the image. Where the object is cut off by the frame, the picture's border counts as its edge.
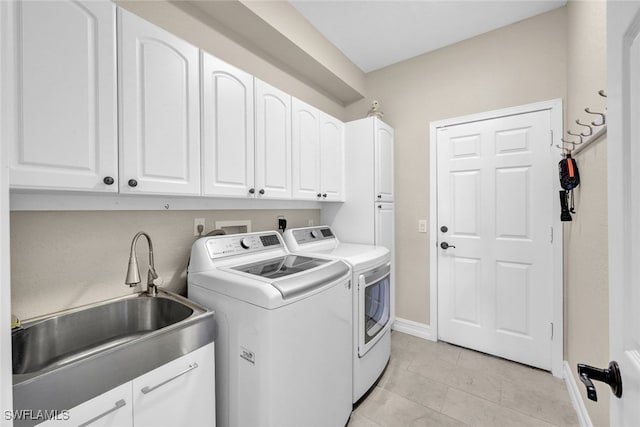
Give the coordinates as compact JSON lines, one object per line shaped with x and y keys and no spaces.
{"x":261,"y":191}
{"x":108,"y":180}
{"x":132,"y":183}
{"x":379,"y":206}
{"x":252,"y":190}
{"x":324,"y":196}
{"x":318,"y":195}
{"x":379,"y":196}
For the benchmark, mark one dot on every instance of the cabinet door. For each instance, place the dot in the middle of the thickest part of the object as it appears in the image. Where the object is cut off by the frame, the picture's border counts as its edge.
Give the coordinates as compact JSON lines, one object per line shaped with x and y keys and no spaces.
{"x":159,"y":110}
{"x":182,"y":392}
{"x":111,"y":409}
{"x":228,"y":137}
{"x":384,"y":226}
{"x":384,"y":162}
{"x":60,"y":57}
{"x":305,"y":140}
{"x":331,"y":158}
{"x":273,"y":142}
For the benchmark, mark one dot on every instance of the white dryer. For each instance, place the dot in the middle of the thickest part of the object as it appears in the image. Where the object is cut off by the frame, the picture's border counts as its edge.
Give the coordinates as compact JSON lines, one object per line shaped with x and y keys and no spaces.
{"x":372,"y":298}
{"x":283,"y":331}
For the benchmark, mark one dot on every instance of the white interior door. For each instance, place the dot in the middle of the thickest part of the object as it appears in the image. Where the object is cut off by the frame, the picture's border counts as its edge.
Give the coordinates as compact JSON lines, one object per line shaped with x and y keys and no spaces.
{"x":623,"y":50}
{"x":495,"y":208}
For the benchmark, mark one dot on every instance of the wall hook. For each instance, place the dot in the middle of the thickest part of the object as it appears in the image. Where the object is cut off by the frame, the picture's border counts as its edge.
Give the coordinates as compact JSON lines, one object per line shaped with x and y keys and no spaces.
{"x":590,"y":130}
{"x":578,"y":135}
{"x":573,"y":144}
{"x":602,"y":93}
{"x":602,"y":117}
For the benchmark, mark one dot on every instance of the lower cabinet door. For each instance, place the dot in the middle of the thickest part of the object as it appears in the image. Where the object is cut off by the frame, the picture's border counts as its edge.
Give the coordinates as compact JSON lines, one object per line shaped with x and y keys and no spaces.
{"x":180,"y":393}
{"x":111,"y":409}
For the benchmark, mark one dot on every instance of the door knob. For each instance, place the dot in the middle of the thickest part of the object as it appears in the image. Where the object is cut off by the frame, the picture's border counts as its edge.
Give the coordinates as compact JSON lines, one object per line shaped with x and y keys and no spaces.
{"x":610,"y":376}
{"x":445,"y":245}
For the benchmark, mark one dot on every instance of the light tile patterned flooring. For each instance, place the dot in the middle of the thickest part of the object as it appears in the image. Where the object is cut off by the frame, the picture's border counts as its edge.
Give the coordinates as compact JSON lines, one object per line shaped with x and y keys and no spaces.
{"x":438,"y":384}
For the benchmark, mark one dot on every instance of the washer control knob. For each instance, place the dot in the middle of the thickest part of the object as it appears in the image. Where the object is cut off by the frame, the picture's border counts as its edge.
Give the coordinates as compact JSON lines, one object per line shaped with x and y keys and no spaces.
{"x":245,"y":243}
{"x":315,"y":234}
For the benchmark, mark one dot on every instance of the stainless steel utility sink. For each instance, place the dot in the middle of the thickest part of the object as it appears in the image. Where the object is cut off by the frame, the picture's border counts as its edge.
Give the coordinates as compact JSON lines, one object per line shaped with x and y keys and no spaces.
{"x":62,"y":360}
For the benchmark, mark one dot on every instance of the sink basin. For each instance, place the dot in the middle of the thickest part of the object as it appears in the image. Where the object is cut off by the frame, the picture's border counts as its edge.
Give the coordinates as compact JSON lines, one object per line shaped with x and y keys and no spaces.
{"x":62,"y":360}
{"x":62,"y":339}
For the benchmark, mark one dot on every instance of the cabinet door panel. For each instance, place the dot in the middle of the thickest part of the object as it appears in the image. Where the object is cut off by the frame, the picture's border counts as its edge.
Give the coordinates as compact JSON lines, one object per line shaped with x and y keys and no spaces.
{"x":331,"y":158}
{"x":182,"y":392}
{"x":305,"y":150}
{"x":159,"y":110}
{"x":228,"y":129}
{"x":273,"y":142}
{"x":64,"y":94}
{"x":384,"y":162}
{"x":113,"y":408}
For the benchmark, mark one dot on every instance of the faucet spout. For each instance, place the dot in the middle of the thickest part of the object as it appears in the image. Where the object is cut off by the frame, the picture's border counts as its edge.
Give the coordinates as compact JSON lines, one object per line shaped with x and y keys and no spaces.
{"x":133,"y":271}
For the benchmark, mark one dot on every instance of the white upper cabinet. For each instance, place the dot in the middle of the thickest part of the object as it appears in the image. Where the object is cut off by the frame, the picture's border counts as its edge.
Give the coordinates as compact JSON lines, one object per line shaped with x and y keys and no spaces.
{"x":59,"y":58}
{"x":159,"y":110}
{"x":305,"y":149}
{"x":227,"y":129}
{"x":384,"y":162}
{"x":331,"y":158}
{"x":273,"y":142}
{"x":318,"y":154}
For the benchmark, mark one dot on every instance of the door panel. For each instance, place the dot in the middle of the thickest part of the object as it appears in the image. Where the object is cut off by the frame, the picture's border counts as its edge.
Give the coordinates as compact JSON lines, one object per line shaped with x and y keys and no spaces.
{"x":228,"y":129}
{"x":331,"y":158}
{"x":65,"y":95}
{"x":273,"y":142}
{"x":305,"y":150}
{"x":160,"y":110}
{"x":495,"y":196}
{"x":623,"y":152}
{"x":384,"y":162}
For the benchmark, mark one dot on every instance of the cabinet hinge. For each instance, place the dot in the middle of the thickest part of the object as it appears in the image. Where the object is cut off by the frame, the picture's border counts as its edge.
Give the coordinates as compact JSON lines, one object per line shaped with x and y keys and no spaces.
{"x":551,"y":142}
{"x":552,"y":331}
{"x":551,"y":235}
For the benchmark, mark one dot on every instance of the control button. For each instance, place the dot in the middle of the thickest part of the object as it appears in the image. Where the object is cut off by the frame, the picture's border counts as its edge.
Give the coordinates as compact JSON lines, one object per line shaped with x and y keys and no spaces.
{"x":245,"y":243}
{"x":315,"y":234}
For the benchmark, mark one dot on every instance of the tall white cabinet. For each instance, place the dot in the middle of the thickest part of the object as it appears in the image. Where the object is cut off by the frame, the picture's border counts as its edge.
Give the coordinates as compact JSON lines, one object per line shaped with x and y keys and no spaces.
{"x":63,"y":97}
{"x":159,"y":110}
{"x":366,"y":216}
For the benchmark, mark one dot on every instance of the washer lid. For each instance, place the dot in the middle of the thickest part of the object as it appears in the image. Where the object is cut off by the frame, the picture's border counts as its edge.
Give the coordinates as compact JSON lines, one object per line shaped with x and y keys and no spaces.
{"x":281,"y":267}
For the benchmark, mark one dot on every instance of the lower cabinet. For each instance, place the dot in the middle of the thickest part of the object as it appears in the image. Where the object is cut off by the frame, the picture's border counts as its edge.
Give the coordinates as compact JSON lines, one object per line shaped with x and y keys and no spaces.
{"x":181,"y":392}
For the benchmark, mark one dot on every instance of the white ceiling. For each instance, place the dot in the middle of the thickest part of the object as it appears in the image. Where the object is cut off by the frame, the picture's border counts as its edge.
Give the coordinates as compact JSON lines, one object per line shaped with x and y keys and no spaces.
{"x":378,"y":33}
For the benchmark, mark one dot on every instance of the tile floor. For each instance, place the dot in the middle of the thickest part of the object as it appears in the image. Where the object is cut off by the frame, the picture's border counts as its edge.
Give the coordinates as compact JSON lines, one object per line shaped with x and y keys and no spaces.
{"x":438,"y":384}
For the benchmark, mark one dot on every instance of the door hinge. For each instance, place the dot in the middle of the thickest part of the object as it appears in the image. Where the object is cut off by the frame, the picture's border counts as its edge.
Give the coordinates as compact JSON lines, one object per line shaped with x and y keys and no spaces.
{"x":551,"y":235}
{"x":551,"y":143}
{"x":551,"y":331}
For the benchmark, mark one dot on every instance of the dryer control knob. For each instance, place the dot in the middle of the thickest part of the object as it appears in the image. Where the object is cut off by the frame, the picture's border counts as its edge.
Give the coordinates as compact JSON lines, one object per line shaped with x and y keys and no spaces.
{"x":315,"y":234}
{"x":245,"y":243}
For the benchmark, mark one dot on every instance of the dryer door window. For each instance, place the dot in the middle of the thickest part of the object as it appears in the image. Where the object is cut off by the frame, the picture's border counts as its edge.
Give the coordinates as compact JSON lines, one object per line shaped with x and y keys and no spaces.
{"x":375,"y":308}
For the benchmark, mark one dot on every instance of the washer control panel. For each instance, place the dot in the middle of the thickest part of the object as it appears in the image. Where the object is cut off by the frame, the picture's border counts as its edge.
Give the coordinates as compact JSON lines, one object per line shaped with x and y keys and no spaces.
{"x":236,"y":244}
{"x":315,"y":234}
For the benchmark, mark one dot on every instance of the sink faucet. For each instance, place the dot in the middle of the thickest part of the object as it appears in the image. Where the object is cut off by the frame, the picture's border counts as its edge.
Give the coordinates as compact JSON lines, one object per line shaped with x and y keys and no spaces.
{"x":133,"y":272}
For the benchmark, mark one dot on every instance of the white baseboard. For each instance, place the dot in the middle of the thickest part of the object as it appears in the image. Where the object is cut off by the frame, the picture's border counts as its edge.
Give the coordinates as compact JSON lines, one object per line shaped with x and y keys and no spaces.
{"x":576,"y":397}
{"x":416,"y":329}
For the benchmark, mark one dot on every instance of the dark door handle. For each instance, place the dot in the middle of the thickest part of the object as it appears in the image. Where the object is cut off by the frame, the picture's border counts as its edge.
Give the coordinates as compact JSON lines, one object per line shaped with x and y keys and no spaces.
{"x":445,"y":245}
{"x":610,"y":376}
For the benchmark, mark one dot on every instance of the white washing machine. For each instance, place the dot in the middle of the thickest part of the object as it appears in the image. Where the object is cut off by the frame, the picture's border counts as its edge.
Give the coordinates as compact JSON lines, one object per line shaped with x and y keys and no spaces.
{"x":372,"y":298}
{"x":283,"y":331}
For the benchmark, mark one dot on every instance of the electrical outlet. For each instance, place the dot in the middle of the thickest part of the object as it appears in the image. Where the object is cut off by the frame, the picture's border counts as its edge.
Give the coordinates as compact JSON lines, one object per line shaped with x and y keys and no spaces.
{"x":422,"y":226}
{"x":196,"y":223}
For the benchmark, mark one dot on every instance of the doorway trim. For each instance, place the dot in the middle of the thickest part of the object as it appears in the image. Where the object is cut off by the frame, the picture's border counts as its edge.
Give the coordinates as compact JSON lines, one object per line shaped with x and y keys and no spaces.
{"x":555,"y":108}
